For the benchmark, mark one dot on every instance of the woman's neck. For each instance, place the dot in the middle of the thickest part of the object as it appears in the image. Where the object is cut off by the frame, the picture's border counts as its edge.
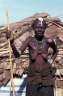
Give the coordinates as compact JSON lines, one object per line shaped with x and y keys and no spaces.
{"x":39,"y":38}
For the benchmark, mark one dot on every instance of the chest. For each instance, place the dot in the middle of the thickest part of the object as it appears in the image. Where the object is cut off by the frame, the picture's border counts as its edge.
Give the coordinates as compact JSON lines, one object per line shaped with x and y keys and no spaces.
{"x":38,"y":46}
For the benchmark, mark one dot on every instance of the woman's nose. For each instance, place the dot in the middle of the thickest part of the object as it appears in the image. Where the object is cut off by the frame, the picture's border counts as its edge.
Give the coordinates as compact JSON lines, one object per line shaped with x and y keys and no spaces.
{"x":39,"y":29}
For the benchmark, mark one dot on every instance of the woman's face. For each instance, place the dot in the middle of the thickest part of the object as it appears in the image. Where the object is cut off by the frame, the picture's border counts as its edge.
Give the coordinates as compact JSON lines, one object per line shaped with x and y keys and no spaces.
{"x":39,"y":30}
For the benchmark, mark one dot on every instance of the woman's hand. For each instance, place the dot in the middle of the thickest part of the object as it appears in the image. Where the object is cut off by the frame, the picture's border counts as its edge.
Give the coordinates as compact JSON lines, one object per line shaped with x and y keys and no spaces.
{"x":9,"y":35}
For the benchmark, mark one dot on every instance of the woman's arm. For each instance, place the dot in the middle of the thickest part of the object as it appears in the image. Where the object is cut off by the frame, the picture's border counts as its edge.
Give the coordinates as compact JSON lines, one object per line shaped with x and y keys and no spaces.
{"x":52,"y":44}
{"x":15,"y":51}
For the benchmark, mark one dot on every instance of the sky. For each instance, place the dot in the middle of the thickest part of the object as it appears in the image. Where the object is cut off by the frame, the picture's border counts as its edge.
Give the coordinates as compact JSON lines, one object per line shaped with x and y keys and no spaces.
{"x":20,"y":9}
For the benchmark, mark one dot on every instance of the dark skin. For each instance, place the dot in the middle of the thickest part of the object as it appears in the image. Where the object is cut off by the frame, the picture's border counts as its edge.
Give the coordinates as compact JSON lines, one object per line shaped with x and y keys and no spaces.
{"x":39,"y":35}
{"x":39,"y":31}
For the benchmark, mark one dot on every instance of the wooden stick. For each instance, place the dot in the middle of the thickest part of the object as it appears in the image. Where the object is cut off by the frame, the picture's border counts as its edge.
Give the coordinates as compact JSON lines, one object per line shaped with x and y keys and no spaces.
{"x":55,"y":23}
{"x":12,"y":81}
{"x":3,"y":52}
{"x":2,"y":49}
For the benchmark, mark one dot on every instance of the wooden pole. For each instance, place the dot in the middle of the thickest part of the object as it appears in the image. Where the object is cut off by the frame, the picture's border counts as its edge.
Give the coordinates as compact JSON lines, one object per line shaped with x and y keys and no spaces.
{"x":12,"y":81}
{"x":55,"y":23}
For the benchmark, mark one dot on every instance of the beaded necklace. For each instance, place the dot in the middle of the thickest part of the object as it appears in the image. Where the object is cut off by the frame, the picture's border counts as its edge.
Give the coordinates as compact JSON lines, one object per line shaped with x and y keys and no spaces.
{"x":39,"y":44}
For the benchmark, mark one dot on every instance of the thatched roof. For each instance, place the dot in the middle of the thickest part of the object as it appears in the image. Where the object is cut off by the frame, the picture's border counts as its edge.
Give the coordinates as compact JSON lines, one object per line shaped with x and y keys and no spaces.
{"x":21,"y":31}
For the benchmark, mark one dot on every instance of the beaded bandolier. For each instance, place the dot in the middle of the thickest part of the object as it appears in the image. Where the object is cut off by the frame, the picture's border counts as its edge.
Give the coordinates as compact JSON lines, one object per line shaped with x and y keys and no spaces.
{"x":40,"y":44}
